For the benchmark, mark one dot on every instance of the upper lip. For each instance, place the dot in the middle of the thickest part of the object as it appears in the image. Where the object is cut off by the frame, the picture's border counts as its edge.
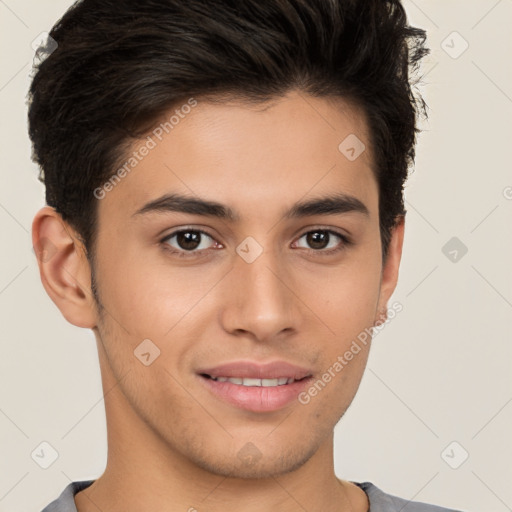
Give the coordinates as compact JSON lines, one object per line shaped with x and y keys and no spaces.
{"x":255,"y":370}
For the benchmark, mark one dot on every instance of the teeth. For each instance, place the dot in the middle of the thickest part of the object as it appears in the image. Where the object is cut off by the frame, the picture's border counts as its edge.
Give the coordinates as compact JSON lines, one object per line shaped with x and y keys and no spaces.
{"x":256,"y":382}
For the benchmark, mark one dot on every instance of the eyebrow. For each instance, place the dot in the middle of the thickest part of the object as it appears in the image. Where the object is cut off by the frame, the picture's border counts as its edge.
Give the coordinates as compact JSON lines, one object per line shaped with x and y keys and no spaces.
{"x":331,"y":204}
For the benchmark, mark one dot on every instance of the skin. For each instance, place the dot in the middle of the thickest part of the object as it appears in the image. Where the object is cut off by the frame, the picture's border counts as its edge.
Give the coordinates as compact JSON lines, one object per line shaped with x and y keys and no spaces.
{"x":171,"y":442}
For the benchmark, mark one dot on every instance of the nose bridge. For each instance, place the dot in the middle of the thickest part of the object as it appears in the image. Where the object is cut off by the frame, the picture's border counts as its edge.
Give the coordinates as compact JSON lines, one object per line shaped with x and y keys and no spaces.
{"x":260,"y":300}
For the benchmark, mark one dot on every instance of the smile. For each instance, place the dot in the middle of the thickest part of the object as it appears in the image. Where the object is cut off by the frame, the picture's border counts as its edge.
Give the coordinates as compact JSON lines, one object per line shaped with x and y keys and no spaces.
{"x":254,"y":382}
{"x":255,"y":395}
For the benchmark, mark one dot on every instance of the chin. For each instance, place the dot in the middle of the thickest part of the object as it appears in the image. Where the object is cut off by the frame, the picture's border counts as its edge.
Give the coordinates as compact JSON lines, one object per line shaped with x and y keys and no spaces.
{"x":250,"y":463}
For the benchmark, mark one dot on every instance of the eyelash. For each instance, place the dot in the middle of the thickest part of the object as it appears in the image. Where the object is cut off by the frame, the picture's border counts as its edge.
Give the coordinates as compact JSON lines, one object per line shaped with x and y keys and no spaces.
{"x":195,"y":253}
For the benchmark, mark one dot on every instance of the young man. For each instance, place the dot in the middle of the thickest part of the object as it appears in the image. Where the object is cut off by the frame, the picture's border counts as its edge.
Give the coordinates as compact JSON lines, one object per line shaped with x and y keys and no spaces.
{"x":224,"y":186}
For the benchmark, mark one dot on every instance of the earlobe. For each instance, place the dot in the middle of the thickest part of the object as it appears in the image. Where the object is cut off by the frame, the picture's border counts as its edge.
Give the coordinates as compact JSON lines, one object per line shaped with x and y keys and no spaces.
{"x":63,"y":267}
{"x":390,"y":269}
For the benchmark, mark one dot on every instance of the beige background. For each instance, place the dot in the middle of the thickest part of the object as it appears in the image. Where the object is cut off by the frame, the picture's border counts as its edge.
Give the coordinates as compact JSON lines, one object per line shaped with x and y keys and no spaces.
{"x":439,"y":372}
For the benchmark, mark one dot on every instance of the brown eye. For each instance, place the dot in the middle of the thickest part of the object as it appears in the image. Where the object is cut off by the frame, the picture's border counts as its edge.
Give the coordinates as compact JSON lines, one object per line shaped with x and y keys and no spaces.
{"x":188,"y":240}
{"x":318,"y":239}
{"x":325,"y":240}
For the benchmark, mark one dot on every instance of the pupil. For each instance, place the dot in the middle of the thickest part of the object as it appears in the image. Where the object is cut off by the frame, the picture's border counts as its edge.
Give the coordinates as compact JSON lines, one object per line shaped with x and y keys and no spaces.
{"x":318,"y":239}
{"x":188,"y":239}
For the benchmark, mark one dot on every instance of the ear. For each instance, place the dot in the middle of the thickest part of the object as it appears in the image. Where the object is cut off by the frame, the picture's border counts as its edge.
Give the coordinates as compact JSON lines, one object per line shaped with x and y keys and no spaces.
{"x":63,"y":267}
{"x":389,"y":276}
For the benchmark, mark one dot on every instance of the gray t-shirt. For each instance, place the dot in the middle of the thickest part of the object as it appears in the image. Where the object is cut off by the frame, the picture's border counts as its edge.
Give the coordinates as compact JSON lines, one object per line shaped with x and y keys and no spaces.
{"x":379,"y":500}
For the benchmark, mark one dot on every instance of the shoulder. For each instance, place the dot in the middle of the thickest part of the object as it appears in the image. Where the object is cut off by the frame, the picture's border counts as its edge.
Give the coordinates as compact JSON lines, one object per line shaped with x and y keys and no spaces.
{"x":65,"y":502}
{"x":383,"y":502}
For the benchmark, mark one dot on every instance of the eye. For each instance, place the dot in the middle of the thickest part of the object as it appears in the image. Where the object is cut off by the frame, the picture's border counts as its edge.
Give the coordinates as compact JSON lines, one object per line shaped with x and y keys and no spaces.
{"x":322,"y":240}
{"x":186,"y":241}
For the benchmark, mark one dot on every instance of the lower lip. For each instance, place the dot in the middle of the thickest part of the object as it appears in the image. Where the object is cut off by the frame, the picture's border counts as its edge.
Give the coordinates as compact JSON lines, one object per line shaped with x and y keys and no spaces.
{"x":256,"y":398}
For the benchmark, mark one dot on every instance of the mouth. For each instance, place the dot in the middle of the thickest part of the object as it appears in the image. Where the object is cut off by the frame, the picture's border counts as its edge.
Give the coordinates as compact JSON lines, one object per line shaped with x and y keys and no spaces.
{"x":253,"y":394}
{"x":254,"y":382}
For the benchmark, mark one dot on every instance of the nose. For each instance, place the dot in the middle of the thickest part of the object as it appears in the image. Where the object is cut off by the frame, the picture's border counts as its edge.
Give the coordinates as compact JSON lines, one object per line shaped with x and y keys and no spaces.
{"x":259,"y":299}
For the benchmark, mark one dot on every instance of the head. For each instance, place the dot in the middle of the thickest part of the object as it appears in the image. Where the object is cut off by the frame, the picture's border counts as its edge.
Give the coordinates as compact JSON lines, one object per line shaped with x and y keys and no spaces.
{"x":287,"y":117}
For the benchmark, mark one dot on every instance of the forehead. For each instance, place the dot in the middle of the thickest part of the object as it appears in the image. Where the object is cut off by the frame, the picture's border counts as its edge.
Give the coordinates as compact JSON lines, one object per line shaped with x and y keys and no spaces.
{"x":249,"y":156}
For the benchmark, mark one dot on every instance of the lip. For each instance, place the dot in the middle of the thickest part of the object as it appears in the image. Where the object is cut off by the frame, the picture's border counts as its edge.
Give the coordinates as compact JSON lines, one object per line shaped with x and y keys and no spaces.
{"x":256,"y":398}
{"x":254,"y":370}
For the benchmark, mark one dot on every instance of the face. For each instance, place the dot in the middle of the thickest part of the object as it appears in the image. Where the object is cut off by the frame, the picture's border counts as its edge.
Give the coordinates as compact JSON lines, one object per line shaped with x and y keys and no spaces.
{"x":273,"y":281}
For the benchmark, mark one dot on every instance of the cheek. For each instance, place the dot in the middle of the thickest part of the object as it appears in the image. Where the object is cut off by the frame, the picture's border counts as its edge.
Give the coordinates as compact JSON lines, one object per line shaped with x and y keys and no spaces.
{"x":345,"y":296}
{"x":333,"y":390}
{"x":345,"y":300}
{"x":149,"y":298}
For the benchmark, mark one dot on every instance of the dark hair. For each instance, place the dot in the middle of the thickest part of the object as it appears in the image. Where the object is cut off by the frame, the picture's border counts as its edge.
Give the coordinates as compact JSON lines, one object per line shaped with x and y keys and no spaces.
{"x":120,"y":65}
